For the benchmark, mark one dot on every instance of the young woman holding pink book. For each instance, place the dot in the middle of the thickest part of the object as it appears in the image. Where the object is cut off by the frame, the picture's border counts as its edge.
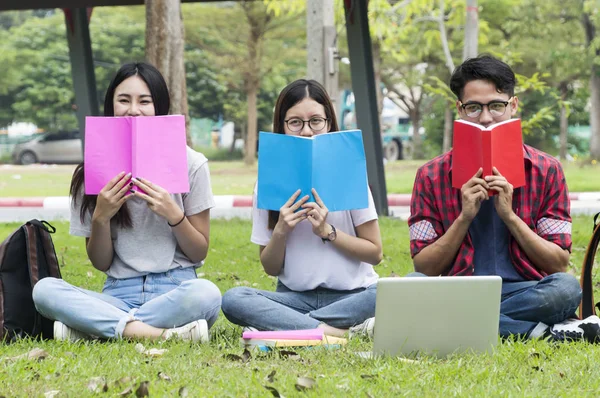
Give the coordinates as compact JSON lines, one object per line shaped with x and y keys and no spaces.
{"x":323,"y":260}
{"x":147,"y":241}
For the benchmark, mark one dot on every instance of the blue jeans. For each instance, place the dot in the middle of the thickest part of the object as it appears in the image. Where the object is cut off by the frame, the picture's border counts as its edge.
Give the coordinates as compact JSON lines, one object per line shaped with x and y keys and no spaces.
{"x":525,"y":304}
{"x":285,"y":309}
{"x":164,"y":300}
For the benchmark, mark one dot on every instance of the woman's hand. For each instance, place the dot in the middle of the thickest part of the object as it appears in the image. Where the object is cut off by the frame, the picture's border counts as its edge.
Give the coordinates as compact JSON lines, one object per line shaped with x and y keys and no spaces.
{"x":158,"y":199}
{"x":317,"y":215}
{"x":288,"y":216}
{"x":111,"y":198}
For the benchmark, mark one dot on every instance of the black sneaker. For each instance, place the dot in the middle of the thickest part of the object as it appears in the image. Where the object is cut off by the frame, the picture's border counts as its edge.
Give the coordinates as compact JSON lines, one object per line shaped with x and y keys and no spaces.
{"x":587,"y":329}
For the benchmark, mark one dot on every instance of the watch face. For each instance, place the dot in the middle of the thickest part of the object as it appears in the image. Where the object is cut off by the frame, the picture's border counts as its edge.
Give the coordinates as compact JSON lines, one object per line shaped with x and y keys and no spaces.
{"x":332,"y":235}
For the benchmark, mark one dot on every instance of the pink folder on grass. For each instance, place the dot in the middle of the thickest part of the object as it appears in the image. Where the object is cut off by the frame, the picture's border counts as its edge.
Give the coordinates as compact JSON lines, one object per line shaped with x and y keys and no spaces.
{"x":151,"y":147}
{"x":304,"y":334}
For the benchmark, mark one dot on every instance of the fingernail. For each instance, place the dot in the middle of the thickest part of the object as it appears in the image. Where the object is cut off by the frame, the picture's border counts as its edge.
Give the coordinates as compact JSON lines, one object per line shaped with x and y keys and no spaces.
{"x":138,"y":178}
{"x":131,"y":184}
{"x":131,"y":191}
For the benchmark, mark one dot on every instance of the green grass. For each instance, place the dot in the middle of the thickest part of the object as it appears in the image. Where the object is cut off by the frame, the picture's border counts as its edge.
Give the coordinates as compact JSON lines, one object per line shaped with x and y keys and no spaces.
{"x":235,"y":178}
{"x":515,"y":369}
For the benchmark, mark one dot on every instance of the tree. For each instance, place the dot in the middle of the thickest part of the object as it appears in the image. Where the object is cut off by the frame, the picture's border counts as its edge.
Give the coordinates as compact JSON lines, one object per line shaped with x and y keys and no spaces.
{"x":36,"y":84}
{"x":537,"y":24}
{"x":589,"y":19}
{"x":422,"y":40}
{"x":271,"y":56}
{"x":164,"y":49}
{"x":37,"y":54}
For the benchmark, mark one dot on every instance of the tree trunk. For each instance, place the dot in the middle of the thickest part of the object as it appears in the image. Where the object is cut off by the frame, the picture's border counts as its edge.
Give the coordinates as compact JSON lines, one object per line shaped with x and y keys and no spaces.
{"x":376,"y":50}
{"x":471,"y":30}
{"x":447,"y":142}
{"x":164,"y":49}
{"x":564,"y":122}
{"x":252,"y":79}
{"x":595,"y":113}
{"x":415,"y":118}
{"x":250,"y":155}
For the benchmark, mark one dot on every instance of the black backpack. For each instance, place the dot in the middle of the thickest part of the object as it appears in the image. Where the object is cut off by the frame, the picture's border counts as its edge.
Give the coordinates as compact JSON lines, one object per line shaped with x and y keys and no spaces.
{"x":587,"y":306}
{"x":26,"y":256}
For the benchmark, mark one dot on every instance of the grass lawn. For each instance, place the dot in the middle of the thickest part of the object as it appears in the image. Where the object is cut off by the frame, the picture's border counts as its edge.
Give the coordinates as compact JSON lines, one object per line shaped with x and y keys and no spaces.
{"x":515,"y":369}
{"x":235,"y":178}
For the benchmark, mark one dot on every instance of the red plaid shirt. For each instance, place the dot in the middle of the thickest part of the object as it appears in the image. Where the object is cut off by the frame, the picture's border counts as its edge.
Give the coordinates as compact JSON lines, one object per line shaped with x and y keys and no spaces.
{"x":543,"y":203}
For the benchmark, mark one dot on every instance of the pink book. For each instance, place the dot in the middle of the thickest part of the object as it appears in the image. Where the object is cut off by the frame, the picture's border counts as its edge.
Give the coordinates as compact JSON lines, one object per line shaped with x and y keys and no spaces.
{"x":304,"y":334}
{"x":151,"y":147}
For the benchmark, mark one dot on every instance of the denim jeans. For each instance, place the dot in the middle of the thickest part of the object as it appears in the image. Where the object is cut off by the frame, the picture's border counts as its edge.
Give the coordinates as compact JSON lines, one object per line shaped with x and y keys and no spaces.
{"x":285,"y":309}
{"x":163,"y":300}
{"x":524,"y":305}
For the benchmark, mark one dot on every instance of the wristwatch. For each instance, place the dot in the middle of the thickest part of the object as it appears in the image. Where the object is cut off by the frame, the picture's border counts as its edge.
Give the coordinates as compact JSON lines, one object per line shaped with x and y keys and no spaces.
{"x":332,"y":235}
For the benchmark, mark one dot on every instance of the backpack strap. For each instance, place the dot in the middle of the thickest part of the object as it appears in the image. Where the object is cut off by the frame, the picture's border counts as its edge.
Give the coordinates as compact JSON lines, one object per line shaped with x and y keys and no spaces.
{"x":32,"y":255}
{"x":44,"y":235}
{"x":586,"y":308}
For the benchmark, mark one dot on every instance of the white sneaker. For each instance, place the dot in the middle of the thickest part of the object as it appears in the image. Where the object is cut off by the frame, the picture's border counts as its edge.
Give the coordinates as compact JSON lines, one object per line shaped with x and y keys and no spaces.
{"x":577,"y":329}
{"x":364,"y":329}
{"x":64,"y":333}
{"x":193,"y":331}
{"x":249,"y":329}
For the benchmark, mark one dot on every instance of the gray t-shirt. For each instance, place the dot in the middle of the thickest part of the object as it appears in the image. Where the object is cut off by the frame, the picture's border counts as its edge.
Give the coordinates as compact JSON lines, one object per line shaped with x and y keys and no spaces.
{"x":150,"y":246}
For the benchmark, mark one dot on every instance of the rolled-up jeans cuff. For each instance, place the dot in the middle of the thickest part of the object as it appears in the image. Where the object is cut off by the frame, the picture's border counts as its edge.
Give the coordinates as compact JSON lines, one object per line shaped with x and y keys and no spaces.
{"x":130,"y":317}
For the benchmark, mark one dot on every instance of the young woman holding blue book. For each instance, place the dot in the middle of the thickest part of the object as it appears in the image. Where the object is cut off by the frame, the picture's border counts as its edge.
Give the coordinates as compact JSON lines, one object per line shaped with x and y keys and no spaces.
{"x":147,"y":241}
{"x":323,"y":260}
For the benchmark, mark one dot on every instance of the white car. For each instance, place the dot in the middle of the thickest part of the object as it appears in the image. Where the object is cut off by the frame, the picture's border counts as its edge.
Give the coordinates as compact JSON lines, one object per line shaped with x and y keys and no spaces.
{"x":60,"y":147}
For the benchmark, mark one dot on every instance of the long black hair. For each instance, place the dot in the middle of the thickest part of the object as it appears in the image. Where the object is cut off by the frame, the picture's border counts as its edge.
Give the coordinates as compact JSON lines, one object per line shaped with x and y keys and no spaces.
{"x":292,"y":94}
{"x":162,"y":103}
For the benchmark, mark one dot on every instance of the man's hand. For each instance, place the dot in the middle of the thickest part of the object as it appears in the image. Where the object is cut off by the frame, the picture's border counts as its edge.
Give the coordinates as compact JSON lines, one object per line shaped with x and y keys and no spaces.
{"x":473,"y":192}
{"x":502,"y":201}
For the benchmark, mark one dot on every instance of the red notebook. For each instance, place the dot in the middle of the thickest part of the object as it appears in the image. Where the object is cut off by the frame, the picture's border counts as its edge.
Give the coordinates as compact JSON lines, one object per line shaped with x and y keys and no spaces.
{"x":499,"y":145}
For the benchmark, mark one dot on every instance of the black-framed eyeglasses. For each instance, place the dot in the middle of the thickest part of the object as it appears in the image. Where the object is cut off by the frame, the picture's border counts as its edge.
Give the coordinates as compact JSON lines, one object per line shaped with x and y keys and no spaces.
{"x":316,"y":123}
{"x":496,"y":108}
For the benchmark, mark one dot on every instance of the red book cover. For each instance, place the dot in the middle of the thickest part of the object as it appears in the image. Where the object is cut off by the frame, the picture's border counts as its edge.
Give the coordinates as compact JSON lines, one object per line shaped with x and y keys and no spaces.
{"x":499,"y":145}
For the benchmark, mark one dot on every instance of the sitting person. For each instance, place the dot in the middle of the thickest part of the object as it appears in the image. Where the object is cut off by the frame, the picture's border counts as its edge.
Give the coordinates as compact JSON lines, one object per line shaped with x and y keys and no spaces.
{"x":523,"y":235}
{"x":147,"y":241}
{"x":323,"y":260}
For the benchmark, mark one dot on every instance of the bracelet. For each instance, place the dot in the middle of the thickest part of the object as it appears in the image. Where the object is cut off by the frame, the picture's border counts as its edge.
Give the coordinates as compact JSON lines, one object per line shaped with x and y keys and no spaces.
{"x":179,"y":222}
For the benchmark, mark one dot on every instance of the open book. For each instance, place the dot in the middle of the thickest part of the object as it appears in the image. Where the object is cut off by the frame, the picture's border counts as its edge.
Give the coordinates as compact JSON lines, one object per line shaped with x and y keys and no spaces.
{"x":290,"y":338}
{"x":499,"y":145}
{"x":265,"y":344}
{"x":151,"y":147}
{"x":333,"y":163}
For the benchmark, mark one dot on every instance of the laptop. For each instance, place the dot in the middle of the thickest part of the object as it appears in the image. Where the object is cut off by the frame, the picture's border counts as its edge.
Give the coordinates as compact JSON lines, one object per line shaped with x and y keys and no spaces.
{"x":436,"y":316}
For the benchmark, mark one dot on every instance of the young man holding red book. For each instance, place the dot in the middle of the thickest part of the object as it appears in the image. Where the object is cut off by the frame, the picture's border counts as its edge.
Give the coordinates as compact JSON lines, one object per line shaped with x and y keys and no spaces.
{"x":487,"y":227}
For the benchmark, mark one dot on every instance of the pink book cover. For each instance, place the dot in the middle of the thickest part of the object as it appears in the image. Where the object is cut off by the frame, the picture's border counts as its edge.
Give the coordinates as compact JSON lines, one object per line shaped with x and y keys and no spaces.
{"x":151,"y":147}
{"x":303,"y":334}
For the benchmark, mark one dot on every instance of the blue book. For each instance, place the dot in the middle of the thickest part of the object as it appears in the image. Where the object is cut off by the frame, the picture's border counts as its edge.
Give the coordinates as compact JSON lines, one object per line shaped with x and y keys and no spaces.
{"x":333,"y":163}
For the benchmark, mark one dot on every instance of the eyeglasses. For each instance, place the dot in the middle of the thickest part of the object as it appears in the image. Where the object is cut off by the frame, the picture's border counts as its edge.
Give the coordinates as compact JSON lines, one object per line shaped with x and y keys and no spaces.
{"x":496,"y":108}
{"x":296,"y":124}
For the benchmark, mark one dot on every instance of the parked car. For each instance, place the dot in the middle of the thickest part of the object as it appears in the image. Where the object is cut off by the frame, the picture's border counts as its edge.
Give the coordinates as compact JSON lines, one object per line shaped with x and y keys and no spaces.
{"x":58,"y":147}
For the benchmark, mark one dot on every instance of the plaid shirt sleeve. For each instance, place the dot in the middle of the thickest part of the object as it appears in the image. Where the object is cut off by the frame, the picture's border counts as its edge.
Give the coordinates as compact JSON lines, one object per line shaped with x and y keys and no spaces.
{"x":425,"y":225}
{"x":554,"y":220}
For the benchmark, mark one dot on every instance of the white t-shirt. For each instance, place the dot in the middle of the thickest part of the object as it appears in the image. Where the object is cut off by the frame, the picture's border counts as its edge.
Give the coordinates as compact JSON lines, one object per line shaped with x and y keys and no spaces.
{"x":309,"y":263}
{"x":150,"y":245}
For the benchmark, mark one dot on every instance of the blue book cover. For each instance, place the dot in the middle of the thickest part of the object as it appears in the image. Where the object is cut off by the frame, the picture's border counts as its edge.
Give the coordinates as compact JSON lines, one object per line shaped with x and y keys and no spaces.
{"x":333,"y":163}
